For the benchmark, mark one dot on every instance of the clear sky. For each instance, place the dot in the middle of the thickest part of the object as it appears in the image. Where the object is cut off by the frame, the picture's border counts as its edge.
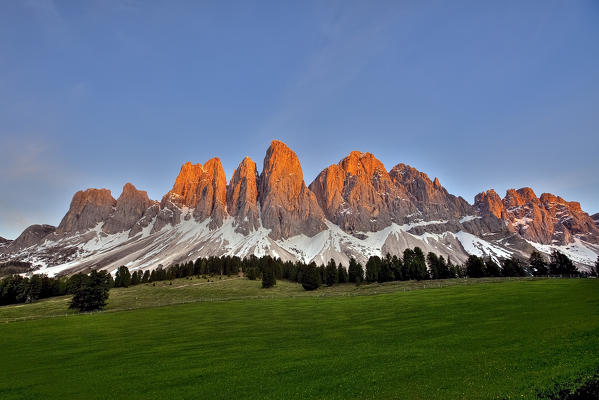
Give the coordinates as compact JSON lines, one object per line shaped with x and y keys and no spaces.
{"x":481,"y":94}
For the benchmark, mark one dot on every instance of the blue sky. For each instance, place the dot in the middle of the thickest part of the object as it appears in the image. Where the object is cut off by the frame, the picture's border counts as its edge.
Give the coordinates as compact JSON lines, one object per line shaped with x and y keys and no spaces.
{"x":480,"y":94}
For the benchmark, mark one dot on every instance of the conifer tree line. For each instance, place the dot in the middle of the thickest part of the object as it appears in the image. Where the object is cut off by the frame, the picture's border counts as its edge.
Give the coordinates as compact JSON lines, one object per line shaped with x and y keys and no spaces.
{"x":90,"y":291}
{"x":412,"y":265}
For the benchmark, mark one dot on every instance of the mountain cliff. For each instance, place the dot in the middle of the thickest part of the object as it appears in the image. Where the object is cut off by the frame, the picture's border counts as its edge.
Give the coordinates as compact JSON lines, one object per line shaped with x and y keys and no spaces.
{"x":202,"y":188}
{"x":288,"y":207}
{"x":358,"y":194}
{"x":88,"y":209}
{"x":546,"y":220}
{"x":4,"y":242}
{"x":242,"y":197}
{"x":130,"y":207}
{"x":430,"y":198}
{"x":355,"y":208}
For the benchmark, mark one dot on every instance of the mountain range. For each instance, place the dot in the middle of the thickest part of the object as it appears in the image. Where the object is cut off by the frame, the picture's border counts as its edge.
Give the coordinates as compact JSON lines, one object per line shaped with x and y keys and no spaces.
{"x":355,"y":208}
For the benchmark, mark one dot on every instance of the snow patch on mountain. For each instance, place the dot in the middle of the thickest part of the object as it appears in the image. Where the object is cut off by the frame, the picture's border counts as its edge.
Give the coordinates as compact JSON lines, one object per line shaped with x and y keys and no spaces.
{"x":479,"y":247}
{"x":578,"y":251}
{"x":469,"y":218}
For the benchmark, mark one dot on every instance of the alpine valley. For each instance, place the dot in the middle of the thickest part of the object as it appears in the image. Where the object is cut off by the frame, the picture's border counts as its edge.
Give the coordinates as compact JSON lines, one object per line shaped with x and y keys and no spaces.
{"x":356,"y":208}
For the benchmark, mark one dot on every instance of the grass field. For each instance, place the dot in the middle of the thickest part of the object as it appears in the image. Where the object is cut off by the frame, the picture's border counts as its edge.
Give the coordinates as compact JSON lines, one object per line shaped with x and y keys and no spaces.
{"x":499,"y":339}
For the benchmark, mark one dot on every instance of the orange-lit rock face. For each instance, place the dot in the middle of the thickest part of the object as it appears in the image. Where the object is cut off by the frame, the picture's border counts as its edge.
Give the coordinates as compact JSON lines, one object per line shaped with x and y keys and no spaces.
{"x":516,"y":198}
{"x":282,"y":172}
{"x":569,"y":218}
{"x":242,"y":196}
{"x":358,"y":195}
{"x":364,"y":166}
{"x":548,"y":219}
{"x":87,"y":209}
{"x":527,"y":215}
{"x":202,"y":187}
{"x":489,"y":202}
{"x":288,"y":206}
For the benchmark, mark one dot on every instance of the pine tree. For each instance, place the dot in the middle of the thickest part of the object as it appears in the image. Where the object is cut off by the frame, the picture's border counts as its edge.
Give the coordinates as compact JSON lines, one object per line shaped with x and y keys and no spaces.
{"x":92,"y":293}
{"x":492,"y":268}
{"x":136,"y":278}
{"x":409,"y":264}
{"x":373,"y":266}
{"x":538,"y":264}
{"x":35,"y":288}
{"x":310,"y":277}
{"x":561,"y":264}
{"x":398,"y":269}
{"x":354,"y":271}
{"x":386,"y":271}
{"x":331,"y":273}
{"x":433,"y":265}
{"x":475,"y":267}
{"x":342,"y":274}
{"x":252,"y":273}
{"x":455,"y":271}
{"x":444,"y":271}
{"x":420,"y":264}
{"x":122,"y":278}
{"x":513,"y":267}
{"x":268,"y":274}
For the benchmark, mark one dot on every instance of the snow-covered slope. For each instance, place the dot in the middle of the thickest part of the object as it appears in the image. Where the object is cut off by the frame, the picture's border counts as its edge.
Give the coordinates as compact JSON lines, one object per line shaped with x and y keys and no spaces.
{"x":190,"y":240}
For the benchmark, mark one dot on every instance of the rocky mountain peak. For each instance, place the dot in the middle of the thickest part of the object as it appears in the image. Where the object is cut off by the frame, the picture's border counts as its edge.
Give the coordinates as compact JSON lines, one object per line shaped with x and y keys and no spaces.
{"x":288,"y":206}
{"x":489,"y":202}
{"x":203,"y":188}
{"x":32,"y":235}
{"x":431,"y":199}
{"x":242,"y":196}
{"x":282,"y":170}
{"x":358,"y":195}
{"x":88,"y":208}
{"x":401,"y":170}
{"x":130,"y":208}
{"x":184,"y":191}
{"x":417,"y":183}
{"x":548,"y":219}
{"x":570,"y":219}
{"x":549,"y":199}
{"x":4,"y":243}
{"x":516,"y":198}
{"x":364,"y":166}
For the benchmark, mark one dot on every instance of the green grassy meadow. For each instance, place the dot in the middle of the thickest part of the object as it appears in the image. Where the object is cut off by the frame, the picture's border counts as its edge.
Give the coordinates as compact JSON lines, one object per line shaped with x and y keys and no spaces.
{"x":230,"y":339}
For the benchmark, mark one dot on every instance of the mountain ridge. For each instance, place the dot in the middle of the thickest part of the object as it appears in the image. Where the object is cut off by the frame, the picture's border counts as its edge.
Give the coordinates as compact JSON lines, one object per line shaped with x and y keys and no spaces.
{"x":353,"y":208}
